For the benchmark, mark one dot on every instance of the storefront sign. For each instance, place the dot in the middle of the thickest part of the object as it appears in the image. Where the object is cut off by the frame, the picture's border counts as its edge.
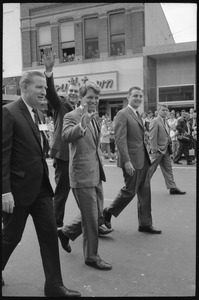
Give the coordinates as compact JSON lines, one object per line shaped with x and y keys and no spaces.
{"x":107,"y":81}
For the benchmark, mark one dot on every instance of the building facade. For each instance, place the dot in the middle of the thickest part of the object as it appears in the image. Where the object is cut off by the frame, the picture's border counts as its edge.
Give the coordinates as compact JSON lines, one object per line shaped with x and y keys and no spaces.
{"x":117,"y":45}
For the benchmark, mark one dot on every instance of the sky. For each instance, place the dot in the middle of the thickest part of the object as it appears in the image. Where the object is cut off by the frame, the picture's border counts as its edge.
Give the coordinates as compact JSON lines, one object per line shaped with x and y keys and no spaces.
{"x":181,"y":17}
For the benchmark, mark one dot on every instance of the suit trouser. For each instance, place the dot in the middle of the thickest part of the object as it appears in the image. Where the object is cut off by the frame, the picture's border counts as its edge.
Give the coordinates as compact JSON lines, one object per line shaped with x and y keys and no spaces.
{"x":62,"y":189}
{"x":138,"y":184}
{"x":164,"y":160}
{"x":90,"y":202}
{"x":44,"y":221}
{"x":182,"y":149}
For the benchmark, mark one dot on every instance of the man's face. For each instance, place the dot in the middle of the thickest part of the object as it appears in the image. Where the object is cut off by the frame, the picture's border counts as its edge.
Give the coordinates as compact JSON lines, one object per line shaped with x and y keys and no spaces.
{"x":163,"y":112}
{"x":135,"y":98}
{"x":73,"y":93}
{"x":35,"y":91}
{"x":91,"y":99}
{"x":187,"y":116}
{"x":194,"y":115}
{"x":183,"y":113}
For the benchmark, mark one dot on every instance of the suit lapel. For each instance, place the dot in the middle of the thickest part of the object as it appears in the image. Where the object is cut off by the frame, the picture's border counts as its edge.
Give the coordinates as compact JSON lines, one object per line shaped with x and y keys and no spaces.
{"x":29,"y":119}
{"x":135,"y":117}
{"x":162,"y":122}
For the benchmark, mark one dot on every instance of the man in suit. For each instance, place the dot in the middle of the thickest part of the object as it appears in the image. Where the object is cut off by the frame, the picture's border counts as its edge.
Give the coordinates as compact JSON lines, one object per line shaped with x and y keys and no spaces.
{"x":82,"y":132}
{"x":26,"y":185}
{"x":160,"y":147}
{"x":60,"y":150}
{"x":183,"y":127}
{"x":134,"y":160}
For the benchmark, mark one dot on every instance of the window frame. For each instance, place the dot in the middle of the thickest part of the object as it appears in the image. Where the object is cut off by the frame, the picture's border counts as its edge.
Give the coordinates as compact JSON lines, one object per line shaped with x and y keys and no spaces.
{"x":60,"y":41}
{"x":110,"y":35}
{"x":177,"y":86}
{"x":86,"y":39}
{"x":40,"y":47}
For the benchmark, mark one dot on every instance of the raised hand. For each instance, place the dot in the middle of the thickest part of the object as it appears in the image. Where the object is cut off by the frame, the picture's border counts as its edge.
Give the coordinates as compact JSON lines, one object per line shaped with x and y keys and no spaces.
{"x":87,"y":117}
{"x":49,"y":59}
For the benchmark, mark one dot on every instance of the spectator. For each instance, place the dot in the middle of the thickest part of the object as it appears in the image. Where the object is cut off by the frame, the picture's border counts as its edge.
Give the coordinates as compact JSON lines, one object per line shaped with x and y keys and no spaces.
{"x":174,"y":140}
{"x":148,"y":120}
{"x":183,"y":128}
{"x":172,"y":120}
{"x":105,"y":139}
{"x":155,"y":113}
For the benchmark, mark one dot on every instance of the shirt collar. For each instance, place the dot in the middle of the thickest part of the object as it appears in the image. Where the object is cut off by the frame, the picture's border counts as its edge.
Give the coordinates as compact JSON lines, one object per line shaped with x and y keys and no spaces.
{"x":29,"y":109}
{"x":133,"y":109}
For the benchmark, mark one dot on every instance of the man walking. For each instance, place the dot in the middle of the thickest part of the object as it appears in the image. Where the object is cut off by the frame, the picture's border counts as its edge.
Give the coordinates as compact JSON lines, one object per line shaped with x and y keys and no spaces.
{"x":134,"y":160}
{"x":26,"y":185}
{"x":160,"y":145}
{"x":82,"y":132}
{"x":60,"y":149}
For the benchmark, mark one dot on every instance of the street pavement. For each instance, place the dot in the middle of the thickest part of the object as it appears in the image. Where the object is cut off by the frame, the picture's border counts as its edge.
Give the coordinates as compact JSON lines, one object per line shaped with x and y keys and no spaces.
{"x":143,"y":264}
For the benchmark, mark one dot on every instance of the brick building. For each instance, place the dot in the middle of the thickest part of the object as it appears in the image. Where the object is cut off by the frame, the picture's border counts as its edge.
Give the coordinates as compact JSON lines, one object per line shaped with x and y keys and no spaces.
{"x":116,"y":45}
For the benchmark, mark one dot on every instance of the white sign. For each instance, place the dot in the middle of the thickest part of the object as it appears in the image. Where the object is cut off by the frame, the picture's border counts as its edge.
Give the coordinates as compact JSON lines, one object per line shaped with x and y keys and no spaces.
{"x":107,"y":81}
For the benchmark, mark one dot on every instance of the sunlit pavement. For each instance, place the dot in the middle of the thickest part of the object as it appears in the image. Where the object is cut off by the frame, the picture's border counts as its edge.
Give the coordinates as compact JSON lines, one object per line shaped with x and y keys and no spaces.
{"x":143,"y":264}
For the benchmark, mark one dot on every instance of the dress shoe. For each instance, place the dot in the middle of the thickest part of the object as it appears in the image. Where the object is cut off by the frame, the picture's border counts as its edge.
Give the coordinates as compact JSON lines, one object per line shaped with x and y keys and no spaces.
{"x":64,"y":240}
{"x":191,"y":163}
{"x":3,"y":283}
{"x":149,"y":229}
{"x":99,"y":264}
{"x":61,"y":291}
{"x":104,"y":231}
{"x":177,"y":162}
{"x":176,"y":191}
{"x":107,"y":218}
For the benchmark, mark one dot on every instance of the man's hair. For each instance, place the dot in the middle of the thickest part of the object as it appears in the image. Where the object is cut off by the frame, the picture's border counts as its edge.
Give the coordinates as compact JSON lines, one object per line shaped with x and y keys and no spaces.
{"x":160,"y":106}
{"x":87,"y":86}
{"x":28,"y":75}
{"x":134,"y":88}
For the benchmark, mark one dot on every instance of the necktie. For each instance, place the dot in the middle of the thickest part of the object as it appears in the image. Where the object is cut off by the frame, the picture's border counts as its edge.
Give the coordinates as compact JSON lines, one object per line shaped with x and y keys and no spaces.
{"x":139,"y":117}
{"x":94,"y":127}
{"x":165,"y":125}
{"x":37,"y":125}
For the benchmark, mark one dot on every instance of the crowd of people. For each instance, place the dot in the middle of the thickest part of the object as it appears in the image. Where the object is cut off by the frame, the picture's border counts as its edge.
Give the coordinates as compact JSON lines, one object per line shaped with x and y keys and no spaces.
{"x":107,"y":127}
{"x":178,"y":123}
{"x":78,"y":139}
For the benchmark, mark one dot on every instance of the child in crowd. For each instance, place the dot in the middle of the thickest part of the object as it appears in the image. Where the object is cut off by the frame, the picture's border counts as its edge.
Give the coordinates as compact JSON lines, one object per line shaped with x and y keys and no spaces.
{"x":174,"y":139}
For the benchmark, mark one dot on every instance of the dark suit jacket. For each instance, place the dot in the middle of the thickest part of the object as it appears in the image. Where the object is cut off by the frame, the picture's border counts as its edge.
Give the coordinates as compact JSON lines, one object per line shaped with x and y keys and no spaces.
{"x":23,"y":165}
{"x":182,"y":126}
{"x":60,"y":108}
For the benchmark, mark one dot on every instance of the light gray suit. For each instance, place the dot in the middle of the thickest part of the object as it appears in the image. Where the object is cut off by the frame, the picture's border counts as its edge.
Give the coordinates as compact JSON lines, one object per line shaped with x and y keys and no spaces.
{"x":159,"y":140}
{"x":86,"y":175}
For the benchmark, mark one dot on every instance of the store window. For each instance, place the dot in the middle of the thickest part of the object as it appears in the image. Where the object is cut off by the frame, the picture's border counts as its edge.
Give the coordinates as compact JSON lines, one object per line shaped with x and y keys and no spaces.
{"x":44,"y":40}
{"x":67,"y":41}
{"x":176,"y":93}
{"x":117,"y":33}
{"x":91,"y":38}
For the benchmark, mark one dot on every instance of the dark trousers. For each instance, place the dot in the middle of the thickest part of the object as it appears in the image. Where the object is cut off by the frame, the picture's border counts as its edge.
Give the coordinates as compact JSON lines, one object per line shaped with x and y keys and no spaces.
{"x":44,"y":221}
{"x":138,"y":184}
{"x":182,"y":149}
{"x":62,"y":189}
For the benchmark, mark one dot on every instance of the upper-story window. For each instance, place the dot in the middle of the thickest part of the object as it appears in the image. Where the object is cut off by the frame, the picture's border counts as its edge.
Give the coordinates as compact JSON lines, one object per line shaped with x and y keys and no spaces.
{"x":44,"y":33}
{"x":67,"y":41}
{"x":117,"y":33}
{"x":91,"y":37}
